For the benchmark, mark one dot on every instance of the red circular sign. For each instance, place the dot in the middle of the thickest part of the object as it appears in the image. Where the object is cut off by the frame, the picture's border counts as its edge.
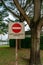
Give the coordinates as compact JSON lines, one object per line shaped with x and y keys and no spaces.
{"x":16,"y":27}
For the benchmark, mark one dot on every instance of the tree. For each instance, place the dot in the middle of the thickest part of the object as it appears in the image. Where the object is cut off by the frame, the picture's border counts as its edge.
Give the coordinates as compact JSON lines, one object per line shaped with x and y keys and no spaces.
{"x":3,"y":29}
{"x":35,"y":24}
{"x":3,"y":11}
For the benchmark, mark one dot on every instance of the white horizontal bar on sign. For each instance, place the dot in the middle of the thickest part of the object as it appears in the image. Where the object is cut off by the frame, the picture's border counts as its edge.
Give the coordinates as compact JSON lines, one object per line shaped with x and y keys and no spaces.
{"x":16,"y":28}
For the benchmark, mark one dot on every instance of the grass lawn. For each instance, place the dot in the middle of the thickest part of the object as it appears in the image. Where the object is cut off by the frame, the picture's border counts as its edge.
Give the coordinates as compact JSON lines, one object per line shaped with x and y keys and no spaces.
{"x":7,"y":56}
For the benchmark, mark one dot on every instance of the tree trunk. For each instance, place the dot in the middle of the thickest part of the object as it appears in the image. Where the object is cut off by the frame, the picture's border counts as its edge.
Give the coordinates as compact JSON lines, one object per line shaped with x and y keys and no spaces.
{"x":35,"y":47}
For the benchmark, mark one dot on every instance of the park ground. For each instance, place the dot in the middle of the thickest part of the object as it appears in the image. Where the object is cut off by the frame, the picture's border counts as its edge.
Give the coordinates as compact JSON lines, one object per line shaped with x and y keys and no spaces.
{"x":8,"y":56}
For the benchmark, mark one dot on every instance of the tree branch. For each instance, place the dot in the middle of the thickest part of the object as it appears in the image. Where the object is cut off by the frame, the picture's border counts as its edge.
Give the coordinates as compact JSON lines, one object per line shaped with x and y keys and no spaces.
{"x":10,"y":10}
{"x":22,"y":11}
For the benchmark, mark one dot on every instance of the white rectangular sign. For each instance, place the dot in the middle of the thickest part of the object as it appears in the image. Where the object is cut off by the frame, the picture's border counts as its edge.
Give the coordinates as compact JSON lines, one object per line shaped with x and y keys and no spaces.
{"x":16,"y":30}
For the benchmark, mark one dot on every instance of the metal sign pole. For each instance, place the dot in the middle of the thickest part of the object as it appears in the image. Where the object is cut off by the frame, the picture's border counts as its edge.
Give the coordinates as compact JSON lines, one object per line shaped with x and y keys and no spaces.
{"x":16,"y":53}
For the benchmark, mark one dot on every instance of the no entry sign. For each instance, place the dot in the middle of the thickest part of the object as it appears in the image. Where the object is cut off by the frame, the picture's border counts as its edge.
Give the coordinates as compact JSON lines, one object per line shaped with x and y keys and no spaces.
{"x":16,"y":30}
{"x":16,"y":27}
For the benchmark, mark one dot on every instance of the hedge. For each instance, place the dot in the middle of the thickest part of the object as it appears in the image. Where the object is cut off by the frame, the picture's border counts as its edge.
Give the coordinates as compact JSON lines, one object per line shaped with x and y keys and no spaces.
{"x":25,"y":43}
{"x":41,"y":42}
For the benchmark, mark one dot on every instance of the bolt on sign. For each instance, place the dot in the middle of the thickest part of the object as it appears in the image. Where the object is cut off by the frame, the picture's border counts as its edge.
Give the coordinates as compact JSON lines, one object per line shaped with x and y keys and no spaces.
{"x":16,"y":30}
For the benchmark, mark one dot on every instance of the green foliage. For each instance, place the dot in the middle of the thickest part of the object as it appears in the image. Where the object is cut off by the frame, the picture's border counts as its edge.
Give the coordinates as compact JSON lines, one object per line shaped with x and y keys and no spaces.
{"x":26,"y":43}
{"x":3,"y":11}
{"x":41,"y":42}
{"x":28,"y":1}
{"x":12,"y":43}
{"x":3,"y":28}
{"x":0,"y":32}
